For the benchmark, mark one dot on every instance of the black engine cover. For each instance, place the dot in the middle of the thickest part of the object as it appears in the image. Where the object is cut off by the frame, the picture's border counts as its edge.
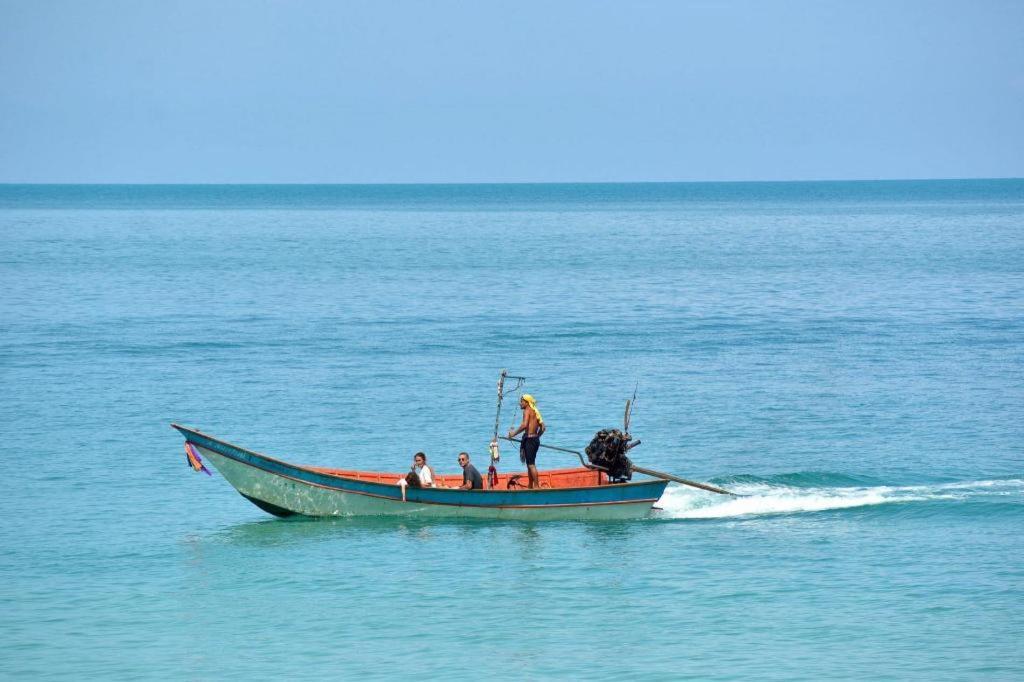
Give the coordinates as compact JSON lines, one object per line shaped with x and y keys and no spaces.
{"x":608,"y":451}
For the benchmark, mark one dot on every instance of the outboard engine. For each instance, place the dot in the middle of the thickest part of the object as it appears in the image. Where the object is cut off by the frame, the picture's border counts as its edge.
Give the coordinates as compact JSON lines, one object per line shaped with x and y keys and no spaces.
{"x":608,"y":451}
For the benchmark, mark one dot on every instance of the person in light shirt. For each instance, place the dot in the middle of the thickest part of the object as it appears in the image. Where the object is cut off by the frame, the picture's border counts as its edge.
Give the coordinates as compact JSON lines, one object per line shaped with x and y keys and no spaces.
{"x":423,"y":470}
{"x":420,"y":475}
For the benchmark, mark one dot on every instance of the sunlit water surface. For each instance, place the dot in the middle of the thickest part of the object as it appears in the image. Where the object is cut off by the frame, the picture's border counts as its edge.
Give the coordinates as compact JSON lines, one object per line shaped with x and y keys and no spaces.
{"x":847,"y":355}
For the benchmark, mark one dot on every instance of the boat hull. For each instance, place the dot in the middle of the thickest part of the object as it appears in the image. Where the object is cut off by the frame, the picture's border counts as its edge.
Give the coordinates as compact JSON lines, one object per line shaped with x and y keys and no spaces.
{"x":285,"y":489}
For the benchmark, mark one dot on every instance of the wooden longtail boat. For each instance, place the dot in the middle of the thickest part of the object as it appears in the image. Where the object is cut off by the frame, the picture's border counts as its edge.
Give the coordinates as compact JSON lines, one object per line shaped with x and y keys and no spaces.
{"x":284,"y":489}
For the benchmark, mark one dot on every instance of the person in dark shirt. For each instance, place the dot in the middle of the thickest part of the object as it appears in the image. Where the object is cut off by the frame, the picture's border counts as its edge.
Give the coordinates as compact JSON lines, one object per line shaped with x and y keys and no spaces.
{"x":471,"y":478}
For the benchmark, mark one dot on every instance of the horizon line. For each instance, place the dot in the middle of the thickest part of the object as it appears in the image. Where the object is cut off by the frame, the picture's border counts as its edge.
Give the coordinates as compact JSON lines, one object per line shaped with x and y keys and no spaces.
{"x":491,"y":183}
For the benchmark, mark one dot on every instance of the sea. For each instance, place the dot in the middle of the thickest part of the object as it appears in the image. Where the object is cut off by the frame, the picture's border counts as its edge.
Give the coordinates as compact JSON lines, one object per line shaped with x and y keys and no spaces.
{"x":847,"y":355}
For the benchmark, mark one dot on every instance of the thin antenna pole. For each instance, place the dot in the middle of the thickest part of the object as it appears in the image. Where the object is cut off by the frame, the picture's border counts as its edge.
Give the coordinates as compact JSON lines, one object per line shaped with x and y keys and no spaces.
{"x":630,"y":404}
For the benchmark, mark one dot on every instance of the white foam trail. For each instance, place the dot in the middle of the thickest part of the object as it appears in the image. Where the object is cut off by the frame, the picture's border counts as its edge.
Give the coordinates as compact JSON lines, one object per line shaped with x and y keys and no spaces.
{"x":681,"y":502}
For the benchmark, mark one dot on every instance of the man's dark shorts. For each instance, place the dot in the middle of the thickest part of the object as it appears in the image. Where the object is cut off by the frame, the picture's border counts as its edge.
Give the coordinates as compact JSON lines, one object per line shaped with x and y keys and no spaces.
{"x":528,"y":449}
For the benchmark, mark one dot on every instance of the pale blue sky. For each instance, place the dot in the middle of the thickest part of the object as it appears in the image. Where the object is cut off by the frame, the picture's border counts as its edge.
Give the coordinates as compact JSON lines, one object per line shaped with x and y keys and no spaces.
{"x":383,"y":91}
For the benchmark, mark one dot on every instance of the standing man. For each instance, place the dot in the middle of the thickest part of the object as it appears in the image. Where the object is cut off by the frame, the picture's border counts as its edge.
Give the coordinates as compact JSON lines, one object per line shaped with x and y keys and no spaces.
{"x":531,"y":428}
{"x":471,"y":478}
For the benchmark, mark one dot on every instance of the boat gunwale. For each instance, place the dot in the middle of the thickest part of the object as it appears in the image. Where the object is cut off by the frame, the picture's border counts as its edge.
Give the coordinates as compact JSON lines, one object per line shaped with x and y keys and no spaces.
{"x":546,"y":505}
{"x":317,"y":471}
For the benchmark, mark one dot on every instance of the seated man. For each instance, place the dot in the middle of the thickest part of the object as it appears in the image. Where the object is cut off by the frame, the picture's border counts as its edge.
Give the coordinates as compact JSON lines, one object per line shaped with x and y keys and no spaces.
{"x":471,"y":478}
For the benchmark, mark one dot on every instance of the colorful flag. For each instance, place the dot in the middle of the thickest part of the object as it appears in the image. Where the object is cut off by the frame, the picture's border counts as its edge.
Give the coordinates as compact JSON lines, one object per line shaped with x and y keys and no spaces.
{"x":194,"y":460}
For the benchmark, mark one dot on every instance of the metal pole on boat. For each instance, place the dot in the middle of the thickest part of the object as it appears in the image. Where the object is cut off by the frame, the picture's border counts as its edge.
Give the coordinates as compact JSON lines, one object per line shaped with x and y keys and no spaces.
{"x":642,"y":470}
{"x":677,"y":479}
{"x":492,"y":470}
{"x":497,"y":414}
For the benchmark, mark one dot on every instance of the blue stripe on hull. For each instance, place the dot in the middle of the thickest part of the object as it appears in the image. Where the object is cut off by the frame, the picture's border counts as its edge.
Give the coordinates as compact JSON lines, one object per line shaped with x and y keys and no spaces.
{"x":648,"y":491}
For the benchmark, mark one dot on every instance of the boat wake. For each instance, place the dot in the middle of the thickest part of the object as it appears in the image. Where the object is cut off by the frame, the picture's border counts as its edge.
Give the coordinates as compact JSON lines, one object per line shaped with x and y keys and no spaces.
{"x":792,"y":494}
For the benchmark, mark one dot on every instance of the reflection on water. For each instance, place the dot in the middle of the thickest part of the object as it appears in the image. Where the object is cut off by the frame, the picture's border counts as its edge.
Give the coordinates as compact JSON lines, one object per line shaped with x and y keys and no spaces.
{"x":276,"y":532}
{"x":529,"y":541}
{"x":273,"y":532}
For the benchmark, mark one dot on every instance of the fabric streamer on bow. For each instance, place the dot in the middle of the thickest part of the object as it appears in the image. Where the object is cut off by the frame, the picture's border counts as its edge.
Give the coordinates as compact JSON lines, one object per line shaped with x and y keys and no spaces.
{"x":194,"y":460}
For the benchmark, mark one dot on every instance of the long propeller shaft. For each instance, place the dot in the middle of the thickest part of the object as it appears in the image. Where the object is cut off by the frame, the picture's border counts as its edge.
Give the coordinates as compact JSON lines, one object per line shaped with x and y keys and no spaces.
{"x":643,"y":470}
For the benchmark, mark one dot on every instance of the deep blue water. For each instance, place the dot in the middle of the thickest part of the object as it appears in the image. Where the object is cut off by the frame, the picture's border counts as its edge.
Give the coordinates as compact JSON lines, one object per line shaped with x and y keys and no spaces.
{"x":850,"y":355}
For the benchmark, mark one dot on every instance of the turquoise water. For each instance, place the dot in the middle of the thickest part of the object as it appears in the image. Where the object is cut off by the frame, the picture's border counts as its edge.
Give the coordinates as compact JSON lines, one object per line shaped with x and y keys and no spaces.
{"x":848,"y":354}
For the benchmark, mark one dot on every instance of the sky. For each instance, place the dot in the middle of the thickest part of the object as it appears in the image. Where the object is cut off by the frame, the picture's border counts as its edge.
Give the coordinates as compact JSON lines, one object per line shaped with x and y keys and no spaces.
{"x":385,"y":91}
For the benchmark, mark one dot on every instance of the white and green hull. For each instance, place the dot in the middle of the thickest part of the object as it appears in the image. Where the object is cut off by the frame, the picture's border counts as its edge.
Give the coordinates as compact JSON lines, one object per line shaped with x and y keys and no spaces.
{"x":285,"y":489}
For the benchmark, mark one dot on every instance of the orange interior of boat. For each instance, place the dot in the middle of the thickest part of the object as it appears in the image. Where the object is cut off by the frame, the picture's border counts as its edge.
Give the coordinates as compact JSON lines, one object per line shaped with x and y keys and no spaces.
{"x":553,"y":478}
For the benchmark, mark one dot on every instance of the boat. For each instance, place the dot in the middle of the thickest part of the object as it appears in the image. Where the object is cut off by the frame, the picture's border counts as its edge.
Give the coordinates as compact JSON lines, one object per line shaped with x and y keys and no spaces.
{"x":284,"y":489}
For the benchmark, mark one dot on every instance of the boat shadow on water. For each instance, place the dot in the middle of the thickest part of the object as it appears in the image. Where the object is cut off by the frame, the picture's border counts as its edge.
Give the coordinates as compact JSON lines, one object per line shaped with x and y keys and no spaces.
{"x":300,"y":530}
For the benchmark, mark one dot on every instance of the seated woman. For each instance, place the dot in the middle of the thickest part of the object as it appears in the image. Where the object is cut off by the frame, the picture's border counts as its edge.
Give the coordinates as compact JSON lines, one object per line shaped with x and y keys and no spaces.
{"x":424,"y":471}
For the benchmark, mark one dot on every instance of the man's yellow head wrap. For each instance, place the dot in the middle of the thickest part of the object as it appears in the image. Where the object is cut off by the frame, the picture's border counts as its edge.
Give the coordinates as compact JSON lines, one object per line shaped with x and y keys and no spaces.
{"x":533,"y":406}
